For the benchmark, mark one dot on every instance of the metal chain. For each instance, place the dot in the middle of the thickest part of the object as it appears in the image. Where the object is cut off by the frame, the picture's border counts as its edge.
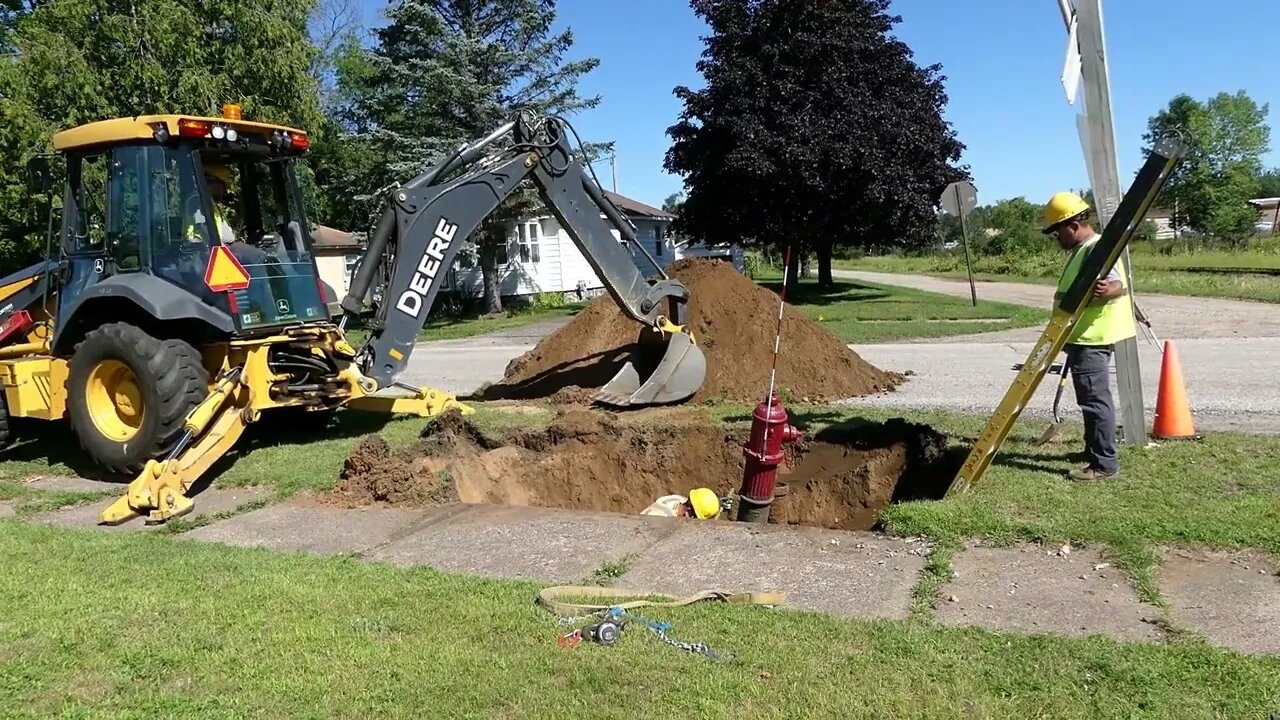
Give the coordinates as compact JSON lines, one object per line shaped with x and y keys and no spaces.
{"x":696,"y":648}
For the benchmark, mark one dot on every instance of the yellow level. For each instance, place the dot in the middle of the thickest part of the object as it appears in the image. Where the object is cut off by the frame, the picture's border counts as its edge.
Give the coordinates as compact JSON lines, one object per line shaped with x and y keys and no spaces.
{"x":1115,"y":237}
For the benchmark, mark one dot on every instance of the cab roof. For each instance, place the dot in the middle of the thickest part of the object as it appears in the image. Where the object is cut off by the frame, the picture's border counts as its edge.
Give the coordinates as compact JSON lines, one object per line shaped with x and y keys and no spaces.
{"x":143,"y":127}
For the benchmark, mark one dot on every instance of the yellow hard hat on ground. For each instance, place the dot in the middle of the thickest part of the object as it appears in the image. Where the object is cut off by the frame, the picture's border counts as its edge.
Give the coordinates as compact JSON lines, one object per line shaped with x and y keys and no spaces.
{"x":218,"y":172}
{"x":705,"y":503}
{"x":1062,"y":206}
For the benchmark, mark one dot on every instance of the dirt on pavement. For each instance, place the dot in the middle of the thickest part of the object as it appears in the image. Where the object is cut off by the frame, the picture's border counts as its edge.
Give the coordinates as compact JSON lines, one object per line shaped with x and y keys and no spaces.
{"x":733,"y":321}
{"x":588,"y":460}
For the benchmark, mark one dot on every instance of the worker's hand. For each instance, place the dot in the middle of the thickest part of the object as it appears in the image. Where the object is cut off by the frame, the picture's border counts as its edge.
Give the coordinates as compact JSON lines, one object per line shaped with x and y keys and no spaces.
{"x":1105,"y":289}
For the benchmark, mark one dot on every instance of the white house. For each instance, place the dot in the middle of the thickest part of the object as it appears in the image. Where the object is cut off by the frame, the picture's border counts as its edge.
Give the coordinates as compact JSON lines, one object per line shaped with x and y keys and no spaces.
{"x":541,"y":257}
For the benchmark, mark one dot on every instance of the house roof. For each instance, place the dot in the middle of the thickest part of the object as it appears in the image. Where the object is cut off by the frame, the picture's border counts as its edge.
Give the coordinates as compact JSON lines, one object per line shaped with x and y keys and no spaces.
{"x":327,"y":238}
{"x":635,"y":208}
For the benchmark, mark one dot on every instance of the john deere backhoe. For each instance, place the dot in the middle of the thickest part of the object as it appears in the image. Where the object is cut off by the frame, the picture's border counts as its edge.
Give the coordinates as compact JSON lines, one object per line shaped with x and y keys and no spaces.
{"x":160,"y":330}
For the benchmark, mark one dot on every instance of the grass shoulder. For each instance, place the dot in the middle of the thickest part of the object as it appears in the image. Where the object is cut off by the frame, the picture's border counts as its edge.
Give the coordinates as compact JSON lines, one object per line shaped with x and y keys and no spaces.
{"x":863,"y":312}
{"x":1240,"y":276}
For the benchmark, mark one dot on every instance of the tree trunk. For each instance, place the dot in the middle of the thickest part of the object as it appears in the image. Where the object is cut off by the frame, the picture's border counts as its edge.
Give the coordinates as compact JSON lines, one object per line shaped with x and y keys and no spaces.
{"x":806,"y":266}
{"x":489,"y":268}
{"x":824,"y":267}
{"x":793,"y":273}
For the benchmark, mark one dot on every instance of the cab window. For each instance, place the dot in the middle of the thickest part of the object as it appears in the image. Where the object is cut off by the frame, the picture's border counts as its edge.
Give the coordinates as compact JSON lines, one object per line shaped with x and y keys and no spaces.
{"x":86,"y":231}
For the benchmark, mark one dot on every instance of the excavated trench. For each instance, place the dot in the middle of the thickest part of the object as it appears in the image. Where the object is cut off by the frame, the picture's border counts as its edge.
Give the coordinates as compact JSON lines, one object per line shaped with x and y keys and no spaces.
{"x":587,"y":460}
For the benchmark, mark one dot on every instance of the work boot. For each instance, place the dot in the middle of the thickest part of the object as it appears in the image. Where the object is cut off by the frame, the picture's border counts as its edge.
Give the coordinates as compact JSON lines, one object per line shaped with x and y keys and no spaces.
{"x":1091,"y":475}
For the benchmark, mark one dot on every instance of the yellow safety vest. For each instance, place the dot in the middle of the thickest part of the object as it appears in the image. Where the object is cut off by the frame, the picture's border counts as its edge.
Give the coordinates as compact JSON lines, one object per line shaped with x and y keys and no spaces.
{"x":1103,"y":322}
{"x":223,"y":227}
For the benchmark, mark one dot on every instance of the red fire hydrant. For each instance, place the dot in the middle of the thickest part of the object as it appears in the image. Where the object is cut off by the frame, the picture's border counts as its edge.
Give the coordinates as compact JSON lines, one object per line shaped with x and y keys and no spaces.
{"x":769,"y":431}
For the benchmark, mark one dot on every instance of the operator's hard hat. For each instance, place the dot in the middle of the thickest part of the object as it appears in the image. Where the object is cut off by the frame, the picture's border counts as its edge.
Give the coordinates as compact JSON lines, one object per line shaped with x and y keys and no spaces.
{"x":218,"y":172}
{"x":705,"y":503}
{"x":1062,"y":206}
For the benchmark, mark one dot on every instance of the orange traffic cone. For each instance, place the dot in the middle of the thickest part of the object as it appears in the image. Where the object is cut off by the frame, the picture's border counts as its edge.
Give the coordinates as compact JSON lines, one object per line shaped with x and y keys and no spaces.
{"x":1173,"y":414}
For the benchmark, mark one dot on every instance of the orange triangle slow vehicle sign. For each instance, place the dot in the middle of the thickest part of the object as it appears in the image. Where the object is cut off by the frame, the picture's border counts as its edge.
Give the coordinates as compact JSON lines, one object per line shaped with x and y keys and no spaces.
{"x":225,"y":273}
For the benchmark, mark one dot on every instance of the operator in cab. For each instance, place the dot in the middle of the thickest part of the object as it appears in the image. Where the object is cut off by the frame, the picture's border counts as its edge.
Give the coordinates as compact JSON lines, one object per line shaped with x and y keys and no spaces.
{"x":1107,"y":319}
{"x":701,"y":503}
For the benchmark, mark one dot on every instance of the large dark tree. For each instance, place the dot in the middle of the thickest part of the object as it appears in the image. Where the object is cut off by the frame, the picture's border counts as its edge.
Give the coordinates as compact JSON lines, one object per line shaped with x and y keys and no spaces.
{"x":815,"y":129}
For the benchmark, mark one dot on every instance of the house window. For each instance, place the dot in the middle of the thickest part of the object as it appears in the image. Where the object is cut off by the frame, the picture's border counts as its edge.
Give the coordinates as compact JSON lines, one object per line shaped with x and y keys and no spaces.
{"x":657,"y":241}
{"x":530,"y":233}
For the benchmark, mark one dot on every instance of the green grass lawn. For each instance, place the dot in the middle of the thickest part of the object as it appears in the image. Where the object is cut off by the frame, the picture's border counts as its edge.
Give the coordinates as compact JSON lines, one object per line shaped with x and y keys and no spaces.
{"x":859,"y":312}
{"x":130,"y":626}
{"x":442,"y":327}
{"x":121,"y":625}
{"x":1153,"y":273}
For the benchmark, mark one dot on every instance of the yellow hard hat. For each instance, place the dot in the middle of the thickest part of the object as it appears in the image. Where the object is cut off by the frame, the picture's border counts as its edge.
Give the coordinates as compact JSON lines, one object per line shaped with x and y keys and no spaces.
{"x":218,"y":172}
{"x":705,"y":503}
{"x":1062,"y":206}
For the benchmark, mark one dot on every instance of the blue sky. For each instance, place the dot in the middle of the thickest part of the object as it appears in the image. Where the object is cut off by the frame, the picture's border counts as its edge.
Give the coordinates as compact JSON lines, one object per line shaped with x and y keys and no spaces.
{"x":1002,"y":59}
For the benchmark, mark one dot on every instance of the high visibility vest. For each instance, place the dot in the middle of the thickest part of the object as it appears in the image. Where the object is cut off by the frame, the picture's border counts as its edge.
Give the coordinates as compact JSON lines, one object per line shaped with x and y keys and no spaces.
{"x":1103,"y":322}
{"x":225,"y":232}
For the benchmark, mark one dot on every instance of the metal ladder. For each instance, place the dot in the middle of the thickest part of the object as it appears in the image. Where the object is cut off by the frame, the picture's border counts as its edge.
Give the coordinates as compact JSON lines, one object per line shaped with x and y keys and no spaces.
{"x":1115,"y":237}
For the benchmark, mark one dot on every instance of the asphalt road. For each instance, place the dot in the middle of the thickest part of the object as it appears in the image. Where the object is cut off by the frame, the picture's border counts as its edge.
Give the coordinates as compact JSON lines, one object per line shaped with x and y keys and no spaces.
{"x":1229,"y":351}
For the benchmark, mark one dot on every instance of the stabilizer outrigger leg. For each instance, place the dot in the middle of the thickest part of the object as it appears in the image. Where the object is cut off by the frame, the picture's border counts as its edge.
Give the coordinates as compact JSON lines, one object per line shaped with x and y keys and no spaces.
{"x":160,"y":490}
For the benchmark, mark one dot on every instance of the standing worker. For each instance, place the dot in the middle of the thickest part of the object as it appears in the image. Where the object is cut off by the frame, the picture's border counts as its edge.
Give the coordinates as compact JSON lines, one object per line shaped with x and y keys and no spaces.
{"x":1107,"y":319}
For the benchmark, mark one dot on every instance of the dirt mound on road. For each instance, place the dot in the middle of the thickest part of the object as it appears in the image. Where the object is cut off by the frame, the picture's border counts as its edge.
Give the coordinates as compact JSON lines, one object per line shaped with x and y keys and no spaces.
{"x":732,"y":319}
{"x":587,"y":460}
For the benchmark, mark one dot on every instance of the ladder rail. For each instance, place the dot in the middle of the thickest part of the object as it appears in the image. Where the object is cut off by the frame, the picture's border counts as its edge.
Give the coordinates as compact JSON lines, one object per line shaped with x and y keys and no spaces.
{"x":1115,"y":238}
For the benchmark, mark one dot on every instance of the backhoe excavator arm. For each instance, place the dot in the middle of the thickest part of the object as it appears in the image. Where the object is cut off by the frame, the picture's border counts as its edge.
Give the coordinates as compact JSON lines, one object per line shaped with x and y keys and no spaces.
{"x":428,"y":220}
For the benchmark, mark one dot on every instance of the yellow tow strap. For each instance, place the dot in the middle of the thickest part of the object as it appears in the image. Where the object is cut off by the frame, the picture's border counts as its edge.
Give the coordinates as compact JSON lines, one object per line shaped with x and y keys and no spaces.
{"x":553,"y":599}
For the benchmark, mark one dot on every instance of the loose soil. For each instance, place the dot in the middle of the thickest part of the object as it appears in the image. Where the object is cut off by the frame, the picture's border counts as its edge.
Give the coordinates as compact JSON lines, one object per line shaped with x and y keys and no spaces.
{"x":733,"y":321}
{"x":586,"y":460}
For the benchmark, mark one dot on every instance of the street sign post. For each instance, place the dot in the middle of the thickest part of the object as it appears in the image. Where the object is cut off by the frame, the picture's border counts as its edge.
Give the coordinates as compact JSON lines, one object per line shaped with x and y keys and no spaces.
{"x":1086,"y":67}
{"x":960,"y":198}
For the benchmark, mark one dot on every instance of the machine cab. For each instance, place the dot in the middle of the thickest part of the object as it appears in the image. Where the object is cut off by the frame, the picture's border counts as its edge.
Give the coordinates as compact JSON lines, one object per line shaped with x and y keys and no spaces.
{"x":208,"y":205}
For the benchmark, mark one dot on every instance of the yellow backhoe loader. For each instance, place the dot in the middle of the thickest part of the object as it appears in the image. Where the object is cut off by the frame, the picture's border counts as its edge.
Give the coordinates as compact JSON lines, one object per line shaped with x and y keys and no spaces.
{"x":180,"y":300}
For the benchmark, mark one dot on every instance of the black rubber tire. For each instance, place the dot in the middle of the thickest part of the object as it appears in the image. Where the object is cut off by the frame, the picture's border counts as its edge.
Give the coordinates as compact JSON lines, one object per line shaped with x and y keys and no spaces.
{"x":170,"y":377}
{"x":6,"y":433}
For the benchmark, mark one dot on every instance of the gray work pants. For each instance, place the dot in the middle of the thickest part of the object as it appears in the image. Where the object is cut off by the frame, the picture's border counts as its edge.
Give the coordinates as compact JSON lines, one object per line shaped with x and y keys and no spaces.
{"x":1090,"y":367}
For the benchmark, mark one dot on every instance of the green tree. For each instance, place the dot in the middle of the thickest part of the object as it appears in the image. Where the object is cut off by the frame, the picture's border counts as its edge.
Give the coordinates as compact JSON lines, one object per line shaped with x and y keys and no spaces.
{"x":815,"y":128}
{"x":76,"y":61}
{"x":1017,"y":226}
{"x":445,"y":72}
{"x":1226,"y":136}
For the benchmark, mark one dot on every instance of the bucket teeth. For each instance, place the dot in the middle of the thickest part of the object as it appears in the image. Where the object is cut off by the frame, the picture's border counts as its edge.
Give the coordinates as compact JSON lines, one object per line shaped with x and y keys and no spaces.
{"x":677,"y":377}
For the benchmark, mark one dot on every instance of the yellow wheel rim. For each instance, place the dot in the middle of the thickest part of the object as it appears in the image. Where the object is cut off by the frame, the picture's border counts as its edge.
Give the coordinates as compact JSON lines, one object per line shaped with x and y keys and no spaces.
{"x":114,"y":400}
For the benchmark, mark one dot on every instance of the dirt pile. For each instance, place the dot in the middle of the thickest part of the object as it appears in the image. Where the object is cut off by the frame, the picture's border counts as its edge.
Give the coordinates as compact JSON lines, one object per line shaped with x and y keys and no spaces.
{"x":732,"y":319}
{"x":587,"y":460}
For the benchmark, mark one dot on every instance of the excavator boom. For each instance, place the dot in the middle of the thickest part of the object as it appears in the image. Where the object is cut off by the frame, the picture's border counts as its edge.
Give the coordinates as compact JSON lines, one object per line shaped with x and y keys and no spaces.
{"x":428,"y":220}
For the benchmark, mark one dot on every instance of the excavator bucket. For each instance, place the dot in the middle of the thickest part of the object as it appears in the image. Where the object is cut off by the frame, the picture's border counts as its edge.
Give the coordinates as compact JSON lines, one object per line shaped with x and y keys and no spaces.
{"x":677,"y":376}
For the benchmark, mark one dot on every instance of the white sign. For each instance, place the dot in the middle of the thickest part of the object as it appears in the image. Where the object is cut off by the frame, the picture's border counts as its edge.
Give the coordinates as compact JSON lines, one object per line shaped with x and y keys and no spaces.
{"x":1071,"y":68}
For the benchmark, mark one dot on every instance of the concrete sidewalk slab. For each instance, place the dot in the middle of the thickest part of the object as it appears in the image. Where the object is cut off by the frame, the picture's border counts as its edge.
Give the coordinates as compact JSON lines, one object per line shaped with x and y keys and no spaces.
{"x":1029,"y":588}
{"x":527,"y":543}
{"x":75,"y":484}
{"x":212,"y":501}
{"x":1231,"y":598}
{"x":853,"y":574}
{"x":310,"y":528}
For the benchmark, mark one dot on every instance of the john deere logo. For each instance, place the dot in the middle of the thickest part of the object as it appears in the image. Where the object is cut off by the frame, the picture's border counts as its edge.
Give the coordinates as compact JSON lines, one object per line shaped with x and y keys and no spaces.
{"x":282,"y":306}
